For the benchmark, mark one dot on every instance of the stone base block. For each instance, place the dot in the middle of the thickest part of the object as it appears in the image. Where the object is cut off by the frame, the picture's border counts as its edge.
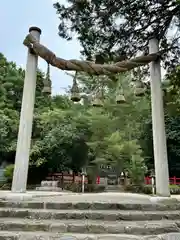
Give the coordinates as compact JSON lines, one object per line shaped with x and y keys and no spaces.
{"x":53,"y":184}
{"x":49,"y":189}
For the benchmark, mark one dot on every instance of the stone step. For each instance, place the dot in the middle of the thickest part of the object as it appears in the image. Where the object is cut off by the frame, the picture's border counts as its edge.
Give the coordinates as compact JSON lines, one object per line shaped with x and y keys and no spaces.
{"x":57,"y":236}
{"x":108,"y":215}
{"x":90,"y":226}
{"x":72,"y":236}
{"x":90,"y":205}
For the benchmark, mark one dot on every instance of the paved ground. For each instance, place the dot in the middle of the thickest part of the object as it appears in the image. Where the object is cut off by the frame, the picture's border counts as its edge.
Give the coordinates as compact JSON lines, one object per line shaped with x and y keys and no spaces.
{"x":112,"y":197}
{"x":29,"y":195}
{"x":98,"y":197}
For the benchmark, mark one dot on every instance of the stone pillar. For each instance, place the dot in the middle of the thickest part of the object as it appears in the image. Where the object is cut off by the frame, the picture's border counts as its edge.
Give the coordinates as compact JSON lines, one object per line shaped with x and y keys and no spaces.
{"x":26,"y":119}
{"x":159,"y":135}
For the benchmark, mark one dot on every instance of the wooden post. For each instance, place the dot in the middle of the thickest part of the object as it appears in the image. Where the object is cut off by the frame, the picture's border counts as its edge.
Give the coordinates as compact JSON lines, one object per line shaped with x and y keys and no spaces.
{"x":159,"y":136}
{"x":26,"y":119}
{"x":83,"y":181}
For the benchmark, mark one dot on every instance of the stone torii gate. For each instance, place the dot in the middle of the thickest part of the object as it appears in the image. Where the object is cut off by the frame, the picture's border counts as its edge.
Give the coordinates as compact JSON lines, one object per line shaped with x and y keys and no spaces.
{"x":36,"y":49}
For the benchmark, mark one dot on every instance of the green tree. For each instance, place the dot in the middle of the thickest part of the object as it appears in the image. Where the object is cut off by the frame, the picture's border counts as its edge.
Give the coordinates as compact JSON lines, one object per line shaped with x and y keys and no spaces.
{"x":11,"y":88}
{"x":121,"y":28}
{"x":61,"y":144}
{"x":116,"y":129}
{"x":71,"y":136}
{"x":172,"y":122}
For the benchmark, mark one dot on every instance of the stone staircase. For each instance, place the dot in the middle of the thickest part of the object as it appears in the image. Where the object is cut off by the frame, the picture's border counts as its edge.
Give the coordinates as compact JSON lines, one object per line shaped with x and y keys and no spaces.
{"x":52,"y":186}
{"x":114,"y":188}
{"x":35,"y":220}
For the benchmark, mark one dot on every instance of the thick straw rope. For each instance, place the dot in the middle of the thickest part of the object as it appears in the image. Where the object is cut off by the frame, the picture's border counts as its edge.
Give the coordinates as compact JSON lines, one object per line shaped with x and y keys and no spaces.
{"x":86,"y":66}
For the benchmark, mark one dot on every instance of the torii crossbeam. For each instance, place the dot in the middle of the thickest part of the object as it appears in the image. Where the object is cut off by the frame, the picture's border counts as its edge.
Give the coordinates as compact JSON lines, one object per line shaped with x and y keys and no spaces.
{"x":86,"y":66}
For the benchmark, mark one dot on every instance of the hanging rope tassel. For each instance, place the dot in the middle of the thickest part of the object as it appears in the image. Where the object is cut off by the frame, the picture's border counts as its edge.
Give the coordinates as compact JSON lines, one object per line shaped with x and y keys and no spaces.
{"x":98,"y":98}
{"x":120,"y":98}
{"x":75,"y":94}
{"x":47,"y":82}
{"x":139,"y":88}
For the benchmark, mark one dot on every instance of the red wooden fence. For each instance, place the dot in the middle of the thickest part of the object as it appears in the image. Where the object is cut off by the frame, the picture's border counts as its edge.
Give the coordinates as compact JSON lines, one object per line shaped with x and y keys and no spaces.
{"x":172,"y":180}
{"x":69,"y":178}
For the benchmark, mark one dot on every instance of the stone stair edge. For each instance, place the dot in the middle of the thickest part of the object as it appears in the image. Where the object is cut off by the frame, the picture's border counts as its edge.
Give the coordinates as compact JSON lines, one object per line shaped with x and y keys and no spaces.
{"x":44,"y":236}
{"x":88,"y":210}
{"x":83,"y":221}
{"x":21,"y":235}
{"x":50,"y":221}
{"x":146,"y":228}
{"x":89,"y":214}
{"x":89,"y":205}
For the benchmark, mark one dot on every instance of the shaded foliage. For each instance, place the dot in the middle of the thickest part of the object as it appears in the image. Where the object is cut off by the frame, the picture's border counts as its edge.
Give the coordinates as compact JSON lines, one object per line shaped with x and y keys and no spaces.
{"x":68,"y":136}
{"x":109,"y":29}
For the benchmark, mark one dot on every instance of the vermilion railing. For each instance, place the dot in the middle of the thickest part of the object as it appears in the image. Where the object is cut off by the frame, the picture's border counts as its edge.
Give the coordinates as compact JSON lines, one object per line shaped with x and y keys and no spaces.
{"x":70,"y":178}
{"x":173,"y":180}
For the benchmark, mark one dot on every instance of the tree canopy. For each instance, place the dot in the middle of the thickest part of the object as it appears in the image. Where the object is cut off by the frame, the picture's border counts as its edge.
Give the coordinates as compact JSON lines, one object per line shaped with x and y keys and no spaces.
{"x":109,"y":29}
{"x":68,"y":136}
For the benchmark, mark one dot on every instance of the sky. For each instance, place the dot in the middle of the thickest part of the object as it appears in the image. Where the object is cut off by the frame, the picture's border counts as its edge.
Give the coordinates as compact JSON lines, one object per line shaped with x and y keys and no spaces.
{"x":16,"y":16}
